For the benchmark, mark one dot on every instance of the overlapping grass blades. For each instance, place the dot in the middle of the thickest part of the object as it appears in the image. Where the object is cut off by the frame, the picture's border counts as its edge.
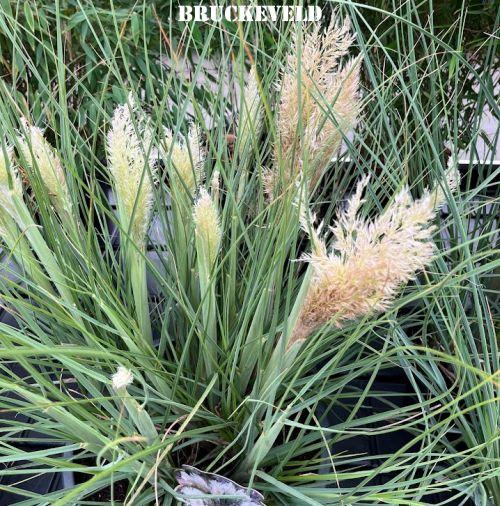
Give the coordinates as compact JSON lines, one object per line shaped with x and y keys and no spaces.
{"x":248,"y":412}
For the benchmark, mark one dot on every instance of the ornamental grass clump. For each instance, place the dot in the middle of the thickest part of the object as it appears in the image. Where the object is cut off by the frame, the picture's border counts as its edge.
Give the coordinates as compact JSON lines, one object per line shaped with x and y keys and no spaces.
{"x":208,"y":340}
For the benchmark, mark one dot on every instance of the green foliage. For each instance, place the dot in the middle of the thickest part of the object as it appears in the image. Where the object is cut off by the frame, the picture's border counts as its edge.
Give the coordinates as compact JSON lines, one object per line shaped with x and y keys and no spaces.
{"x":255,"y":415}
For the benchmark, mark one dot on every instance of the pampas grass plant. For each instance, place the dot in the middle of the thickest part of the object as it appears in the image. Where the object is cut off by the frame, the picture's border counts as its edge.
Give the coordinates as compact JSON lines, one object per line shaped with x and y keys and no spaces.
{"x":199,"y":289}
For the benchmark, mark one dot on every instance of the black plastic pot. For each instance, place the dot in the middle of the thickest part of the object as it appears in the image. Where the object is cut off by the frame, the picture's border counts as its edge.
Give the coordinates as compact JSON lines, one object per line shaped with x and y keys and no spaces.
{"x":27,"y":441}
{"x":395,"y":382}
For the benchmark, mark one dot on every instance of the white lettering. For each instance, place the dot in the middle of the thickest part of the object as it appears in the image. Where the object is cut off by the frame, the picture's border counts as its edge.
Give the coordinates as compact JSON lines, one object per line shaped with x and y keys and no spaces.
{"x":273,"y":12}
{"x":314,"y":13}
{"x":185,"y":13}
{"x":200,"y":13}
{"x":230,"y":13}
{"x":249,"y":13}
{"x":245,"y":14}
{"x":287,"y":14}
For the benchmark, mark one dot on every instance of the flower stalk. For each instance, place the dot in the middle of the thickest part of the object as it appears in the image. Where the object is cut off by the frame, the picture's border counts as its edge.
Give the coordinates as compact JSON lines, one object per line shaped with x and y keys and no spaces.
{"x":10,"y":186}
{"x":141,"y":419}
{"x":207,"y":241}
{"x":15,"y":211}
{"x":131,"y":164}
{"x":250,"y":123}
{"x":319,"y":99}
{"x":184,"y":160}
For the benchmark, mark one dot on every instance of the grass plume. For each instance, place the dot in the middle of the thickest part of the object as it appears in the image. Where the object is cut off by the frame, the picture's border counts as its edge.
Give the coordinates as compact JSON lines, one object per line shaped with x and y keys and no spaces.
{"x":368,"y":260}
{"x":319,"y":103}
{"x":132,"y":170}
{"x":41,"y":156}
{"x":185,"y":158}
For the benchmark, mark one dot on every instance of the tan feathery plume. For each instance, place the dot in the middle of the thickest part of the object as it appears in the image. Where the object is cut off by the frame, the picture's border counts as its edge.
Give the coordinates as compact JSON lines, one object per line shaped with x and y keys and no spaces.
{"x":313,"y":81}
{"x":368,"y":260}
{"x":187,"y":158}
{"x":39,"y":154}
{"x":207,"y":226}
{"x":132,"y":170}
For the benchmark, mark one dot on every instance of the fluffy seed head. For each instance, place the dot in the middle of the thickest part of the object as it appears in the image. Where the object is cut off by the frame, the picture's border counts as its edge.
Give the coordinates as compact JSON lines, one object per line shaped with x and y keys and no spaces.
{"x":40,"y":155}
{"x":215,"y":184}
{"x":185,"y":158}
{"x":367,"y":262}
{"x":319,"y":94}
{"x":122,"y":378}
{"x":132,"y":171}
{"x":207,"y":225}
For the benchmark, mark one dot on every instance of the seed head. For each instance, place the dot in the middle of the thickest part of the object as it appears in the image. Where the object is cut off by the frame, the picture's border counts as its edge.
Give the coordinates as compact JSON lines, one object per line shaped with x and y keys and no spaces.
{"x":368,"y":261}
{"x":122,"y":378}
{"x":215,"y":185}
{"x":186,"y":158}
{"x":132,"y":171}
{"x":250,"y":120}
{"x":207,"y":225}
{"x":40,"y":155}
{"x":321,"y":96}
